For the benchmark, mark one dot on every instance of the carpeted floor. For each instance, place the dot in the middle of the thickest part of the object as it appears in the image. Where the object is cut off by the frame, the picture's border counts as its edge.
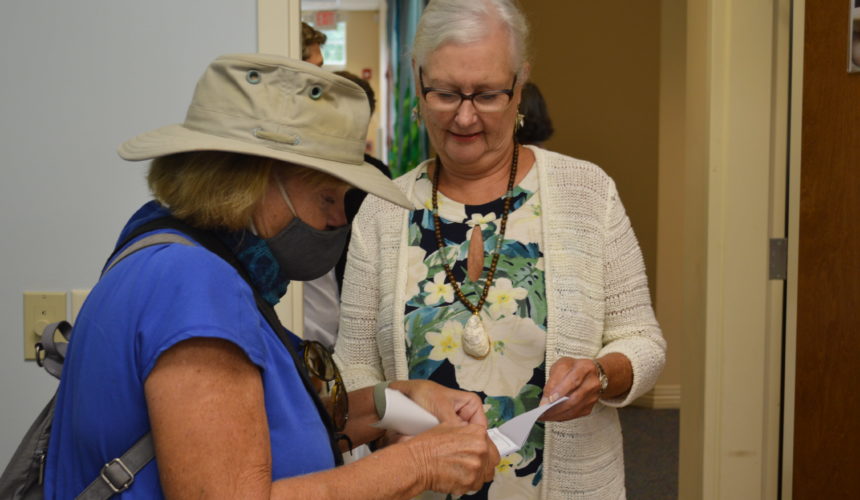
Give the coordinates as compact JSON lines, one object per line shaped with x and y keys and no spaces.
{"x":650,"y":453}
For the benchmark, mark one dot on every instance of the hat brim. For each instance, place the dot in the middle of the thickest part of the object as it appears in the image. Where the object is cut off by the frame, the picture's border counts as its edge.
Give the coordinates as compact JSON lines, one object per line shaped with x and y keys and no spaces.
{"x":179,"y":139}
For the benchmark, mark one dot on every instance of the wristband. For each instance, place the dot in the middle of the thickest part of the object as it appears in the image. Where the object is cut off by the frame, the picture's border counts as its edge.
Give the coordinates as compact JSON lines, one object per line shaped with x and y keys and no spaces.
{"x":379,"y":397}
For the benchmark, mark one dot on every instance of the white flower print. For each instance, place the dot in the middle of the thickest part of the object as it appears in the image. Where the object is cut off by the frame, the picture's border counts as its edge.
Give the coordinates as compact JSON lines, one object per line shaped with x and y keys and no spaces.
{"x":449,"y":209}
{"x":524,"y":223}
{"x":416,"y":270}
{"x":423,"y":192}
{"x":507,"y":485}
{"x":503,"y":298}
{"x":508,"y":463}
{"x":480,"y":220}
{"x":438,"y":289}
{"x":446,"y":342}
{"x":518,"y":347}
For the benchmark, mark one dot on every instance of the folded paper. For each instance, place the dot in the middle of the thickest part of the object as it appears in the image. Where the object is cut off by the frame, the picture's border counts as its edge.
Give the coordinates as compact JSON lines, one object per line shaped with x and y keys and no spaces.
{"x":404,"y":416}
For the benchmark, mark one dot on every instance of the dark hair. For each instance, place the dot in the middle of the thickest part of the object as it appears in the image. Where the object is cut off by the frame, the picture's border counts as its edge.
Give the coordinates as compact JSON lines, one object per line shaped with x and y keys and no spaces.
{"x":361,"y":82}
{"x":310,"y":36}
{"x":537,"y":126}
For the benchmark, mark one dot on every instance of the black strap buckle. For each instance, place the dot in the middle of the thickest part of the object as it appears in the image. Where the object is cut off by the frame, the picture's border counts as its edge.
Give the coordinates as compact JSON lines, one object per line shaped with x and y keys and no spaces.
{"x":116,"y":473}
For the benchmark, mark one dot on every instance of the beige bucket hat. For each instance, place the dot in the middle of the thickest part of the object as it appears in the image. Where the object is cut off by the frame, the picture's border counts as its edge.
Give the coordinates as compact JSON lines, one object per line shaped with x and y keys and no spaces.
{"x":279,"y":108}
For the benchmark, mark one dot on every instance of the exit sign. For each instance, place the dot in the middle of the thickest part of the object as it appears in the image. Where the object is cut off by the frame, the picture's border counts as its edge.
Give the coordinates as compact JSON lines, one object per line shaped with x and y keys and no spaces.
{"x":325,"y":19}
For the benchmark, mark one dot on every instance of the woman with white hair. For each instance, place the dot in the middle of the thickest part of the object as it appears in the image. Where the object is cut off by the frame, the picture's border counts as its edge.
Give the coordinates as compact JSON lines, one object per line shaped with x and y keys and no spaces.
{"x":519,"y":278}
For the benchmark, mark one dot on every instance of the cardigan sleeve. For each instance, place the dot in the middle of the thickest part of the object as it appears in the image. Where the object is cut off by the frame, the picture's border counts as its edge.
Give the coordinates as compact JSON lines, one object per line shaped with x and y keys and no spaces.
{"x":356,"y":352}
{"x":630,"y":327}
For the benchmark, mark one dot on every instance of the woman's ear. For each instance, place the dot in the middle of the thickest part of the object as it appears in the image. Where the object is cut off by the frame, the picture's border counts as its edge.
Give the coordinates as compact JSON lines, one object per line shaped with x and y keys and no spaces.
{"x":525,"y":72}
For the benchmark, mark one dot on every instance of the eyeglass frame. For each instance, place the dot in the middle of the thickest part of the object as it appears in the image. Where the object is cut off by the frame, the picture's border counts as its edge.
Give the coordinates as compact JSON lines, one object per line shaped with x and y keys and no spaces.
{"x":338,"y":395}
{"x":467,"y":97}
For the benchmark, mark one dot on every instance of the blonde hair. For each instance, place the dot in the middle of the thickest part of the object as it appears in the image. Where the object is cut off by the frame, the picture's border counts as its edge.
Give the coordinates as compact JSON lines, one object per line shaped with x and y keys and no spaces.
{"x":217,"y":189}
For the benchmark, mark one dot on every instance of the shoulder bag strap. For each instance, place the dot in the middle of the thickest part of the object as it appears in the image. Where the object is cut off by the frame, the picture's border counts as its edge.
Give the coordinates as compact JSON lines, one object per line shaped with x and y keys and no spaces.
{"x":209,"y":241}
{"x":118,"y":474}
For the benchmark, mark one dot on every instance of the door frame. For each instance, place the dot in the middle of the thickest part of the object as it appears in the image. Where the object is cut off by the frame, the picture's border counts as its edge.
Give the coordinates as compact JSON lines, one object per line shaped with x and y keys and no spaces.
{"x":275,"y":36}
{"x":737,"y":137}
{"x":793,"y":213}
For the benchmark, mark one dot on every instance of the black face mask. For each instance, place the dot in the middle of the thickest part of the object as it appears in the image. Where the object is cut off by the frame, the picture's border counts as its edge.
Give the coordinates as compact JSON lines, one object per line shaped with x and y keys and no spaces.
{"x":304,"y":252}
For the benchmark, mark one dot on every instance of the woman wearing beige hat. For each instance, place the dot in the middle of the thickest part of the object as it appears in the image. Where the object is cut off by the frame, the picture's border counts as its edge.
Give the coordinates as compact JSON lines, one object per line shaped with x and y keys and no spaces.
{"x":176,"y":348}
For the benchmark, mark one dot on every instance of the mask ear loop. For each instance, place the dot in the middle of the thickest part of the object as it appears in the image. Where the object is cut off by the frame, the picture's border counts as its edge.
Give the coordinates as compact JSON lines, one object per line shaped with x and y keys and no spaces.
{"x":253,"y":227}
{"x":287,"y":198}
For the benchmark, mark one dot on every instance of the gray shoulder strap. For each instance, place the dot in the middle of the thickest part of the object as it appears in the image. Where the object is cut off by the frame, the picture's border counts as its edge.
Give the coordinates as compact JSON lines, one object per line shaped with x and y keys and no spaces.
{"x":117,"y":475}
{"x":148,"y":241}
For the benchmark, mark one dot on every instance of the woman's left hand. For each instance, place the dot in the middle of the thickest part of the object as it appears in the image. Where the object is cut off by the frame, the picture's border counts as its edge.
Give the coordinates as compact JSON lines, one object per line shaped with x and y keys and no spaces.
{"x":576,"y":378}
{"x":579,"y":380}
{"x":448,"y":405}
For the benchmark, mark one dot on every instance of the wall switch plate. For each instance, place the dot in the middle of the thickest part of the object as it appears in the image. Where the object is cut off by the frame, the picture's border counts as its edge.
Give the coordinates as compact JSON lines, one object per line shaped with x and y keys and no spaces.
{"x":78,"y":298}
{"x":40,"y":310}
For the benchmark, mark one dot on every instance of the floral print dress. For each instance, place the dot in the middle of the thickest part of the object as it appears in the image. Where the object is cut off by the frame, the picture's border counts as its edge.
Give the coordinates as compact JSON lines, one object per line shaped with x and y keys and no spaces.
{"x":510,"y":379}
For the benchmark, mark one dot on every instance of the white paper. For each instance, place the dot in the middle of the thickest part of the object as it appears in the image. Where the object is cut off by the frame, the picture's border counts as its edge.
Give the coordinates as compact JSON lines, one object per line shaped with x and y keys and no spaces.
{"x":511,"y":436}
{"x":405,"y":416}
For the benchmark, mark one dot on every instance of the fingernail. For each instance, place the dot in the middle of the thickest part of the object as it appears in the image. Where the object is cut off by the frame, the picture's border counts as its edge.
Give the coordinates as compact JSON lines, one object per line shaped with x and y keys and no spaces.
{"x":543,"y":401}
{"x":553,"y":397}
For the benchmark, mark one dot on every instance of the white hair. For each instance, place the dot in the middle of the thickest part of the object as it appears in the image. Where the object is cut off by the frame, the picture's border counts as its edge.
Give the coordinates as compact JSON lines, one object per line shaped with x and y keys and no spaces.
{"x":468,"y":21}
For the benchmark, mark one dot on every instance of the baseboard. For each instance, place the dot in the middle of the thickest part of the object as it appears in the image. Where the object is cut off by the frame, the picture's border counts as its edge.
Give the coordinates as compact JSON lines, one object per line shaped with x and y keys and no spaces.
{"x":661,"y":397}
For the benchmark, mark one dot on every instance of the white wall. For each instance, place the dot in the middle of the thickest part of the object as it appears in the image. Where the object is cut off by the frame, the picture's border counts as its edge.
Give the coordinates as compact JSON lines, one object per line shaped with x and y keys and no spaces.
{"x":79,"y":78}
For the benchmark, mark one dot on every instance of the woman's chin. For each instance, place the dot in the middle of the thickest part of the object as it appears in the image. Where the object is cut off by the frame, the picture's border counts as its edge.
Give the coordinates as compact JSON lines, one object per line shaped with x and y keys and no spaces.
{"x":465,"y":151}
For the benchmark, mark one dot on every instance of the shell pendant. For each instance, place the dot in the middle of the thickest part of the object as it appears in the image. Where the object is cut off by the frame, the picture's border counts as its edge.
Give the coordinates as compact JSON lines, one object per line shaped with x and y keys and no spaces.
{"x":476,"y":342}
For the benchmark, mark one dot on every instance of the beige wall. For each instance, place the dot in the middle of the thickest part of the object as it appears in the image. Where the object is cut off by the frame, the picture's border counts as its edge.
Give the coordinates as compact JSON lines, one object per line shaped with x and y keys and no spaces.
{"x":599,"y":68}
{"x":362,"y":51}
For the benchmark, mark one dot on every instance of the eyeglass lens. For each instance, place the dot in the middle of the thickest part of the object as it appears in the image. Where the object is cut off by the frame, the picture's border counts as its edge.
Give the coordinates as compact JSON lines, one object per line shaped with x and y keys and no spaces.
{"x":449,"y":100}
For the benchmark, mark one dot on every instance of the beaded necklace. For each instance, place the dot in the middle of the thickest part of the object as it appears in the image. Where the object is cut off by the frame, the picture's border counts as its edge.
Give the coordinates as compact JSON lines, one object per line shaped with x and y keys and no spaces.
{"x":476,"y":340}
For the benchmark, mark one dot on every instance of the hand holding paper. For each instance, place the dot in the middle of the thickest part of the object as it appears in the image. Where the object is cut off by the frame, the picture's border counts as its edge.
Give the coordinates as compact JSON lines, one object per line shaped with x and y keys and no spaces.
{"x":405,"y":416}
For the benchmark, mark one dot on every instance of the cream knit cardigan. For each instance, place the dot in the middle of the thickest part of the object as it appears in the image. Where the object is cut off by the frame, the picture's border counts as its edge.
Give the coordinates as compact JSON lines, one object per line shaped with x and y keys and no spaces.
{"x":597,"y":299}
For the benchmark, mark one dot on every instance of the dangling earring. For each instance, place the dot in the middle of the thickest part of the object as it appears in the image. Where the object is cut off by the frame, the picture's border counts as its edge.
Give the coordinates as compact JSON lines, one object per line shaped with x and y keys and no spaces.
{"x":416,"y":114}
{"x":521,"y":120}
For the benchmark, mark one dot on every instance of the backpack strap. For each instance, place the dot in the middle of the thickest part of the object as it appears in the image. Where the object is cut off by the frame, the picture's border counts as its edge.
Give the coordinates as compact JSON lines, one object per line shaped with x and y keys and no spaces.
{"x":211,"y":242}
{"x":153,"y":239}
{"x":118,"y":474}
{"x":51,"y":354}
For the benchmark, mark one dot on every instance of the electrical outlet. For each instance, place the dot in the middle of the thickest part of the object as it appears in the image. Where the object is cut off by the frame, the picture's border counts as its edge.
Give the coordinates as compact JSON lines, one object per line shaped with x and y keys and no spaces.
{"x":40,"y":310}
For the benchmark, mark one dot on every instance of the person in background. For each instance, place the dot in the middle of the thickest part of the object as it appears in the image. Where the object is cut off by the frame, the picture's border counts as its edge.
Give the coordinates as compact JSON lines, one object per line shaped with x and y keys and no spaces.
{"x":312,"y":42}
{"x":177,"y":341}
{"x":321,"y":297}
{"x":537,"y":125}
{"x":518,"y":277}
{"x":371,"y":99}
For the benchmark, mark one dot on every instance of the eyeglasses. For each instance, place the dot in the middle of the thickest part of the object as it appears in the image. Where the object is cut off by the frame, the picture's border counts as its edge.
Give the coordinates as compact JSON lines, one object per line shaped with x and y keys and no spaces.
{"x":320,"y":364}
{"x":444,"y":100}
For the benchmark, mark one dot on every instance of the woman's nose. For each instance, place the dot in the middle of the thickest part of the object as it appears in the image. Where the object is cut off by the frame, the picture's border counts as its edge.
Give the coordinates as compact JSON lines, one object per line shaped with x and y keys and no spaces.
{"x":466,"y":113}
{"x":337,"y":215}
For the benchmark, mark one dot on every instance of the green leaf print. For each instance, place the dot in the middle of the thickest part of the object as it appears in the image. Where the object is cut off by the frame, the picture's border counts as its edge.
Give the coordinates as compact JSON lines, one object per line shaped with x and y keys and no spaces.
{"x":414,"y":235}
{"x":523,"y":274}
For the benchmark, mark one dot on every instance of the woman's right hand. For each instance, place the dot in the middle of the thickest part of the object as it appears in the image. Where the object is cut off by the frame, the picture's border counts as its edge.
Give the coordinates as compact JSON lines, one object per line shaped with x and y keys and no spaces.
{"x":454,"y":458}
